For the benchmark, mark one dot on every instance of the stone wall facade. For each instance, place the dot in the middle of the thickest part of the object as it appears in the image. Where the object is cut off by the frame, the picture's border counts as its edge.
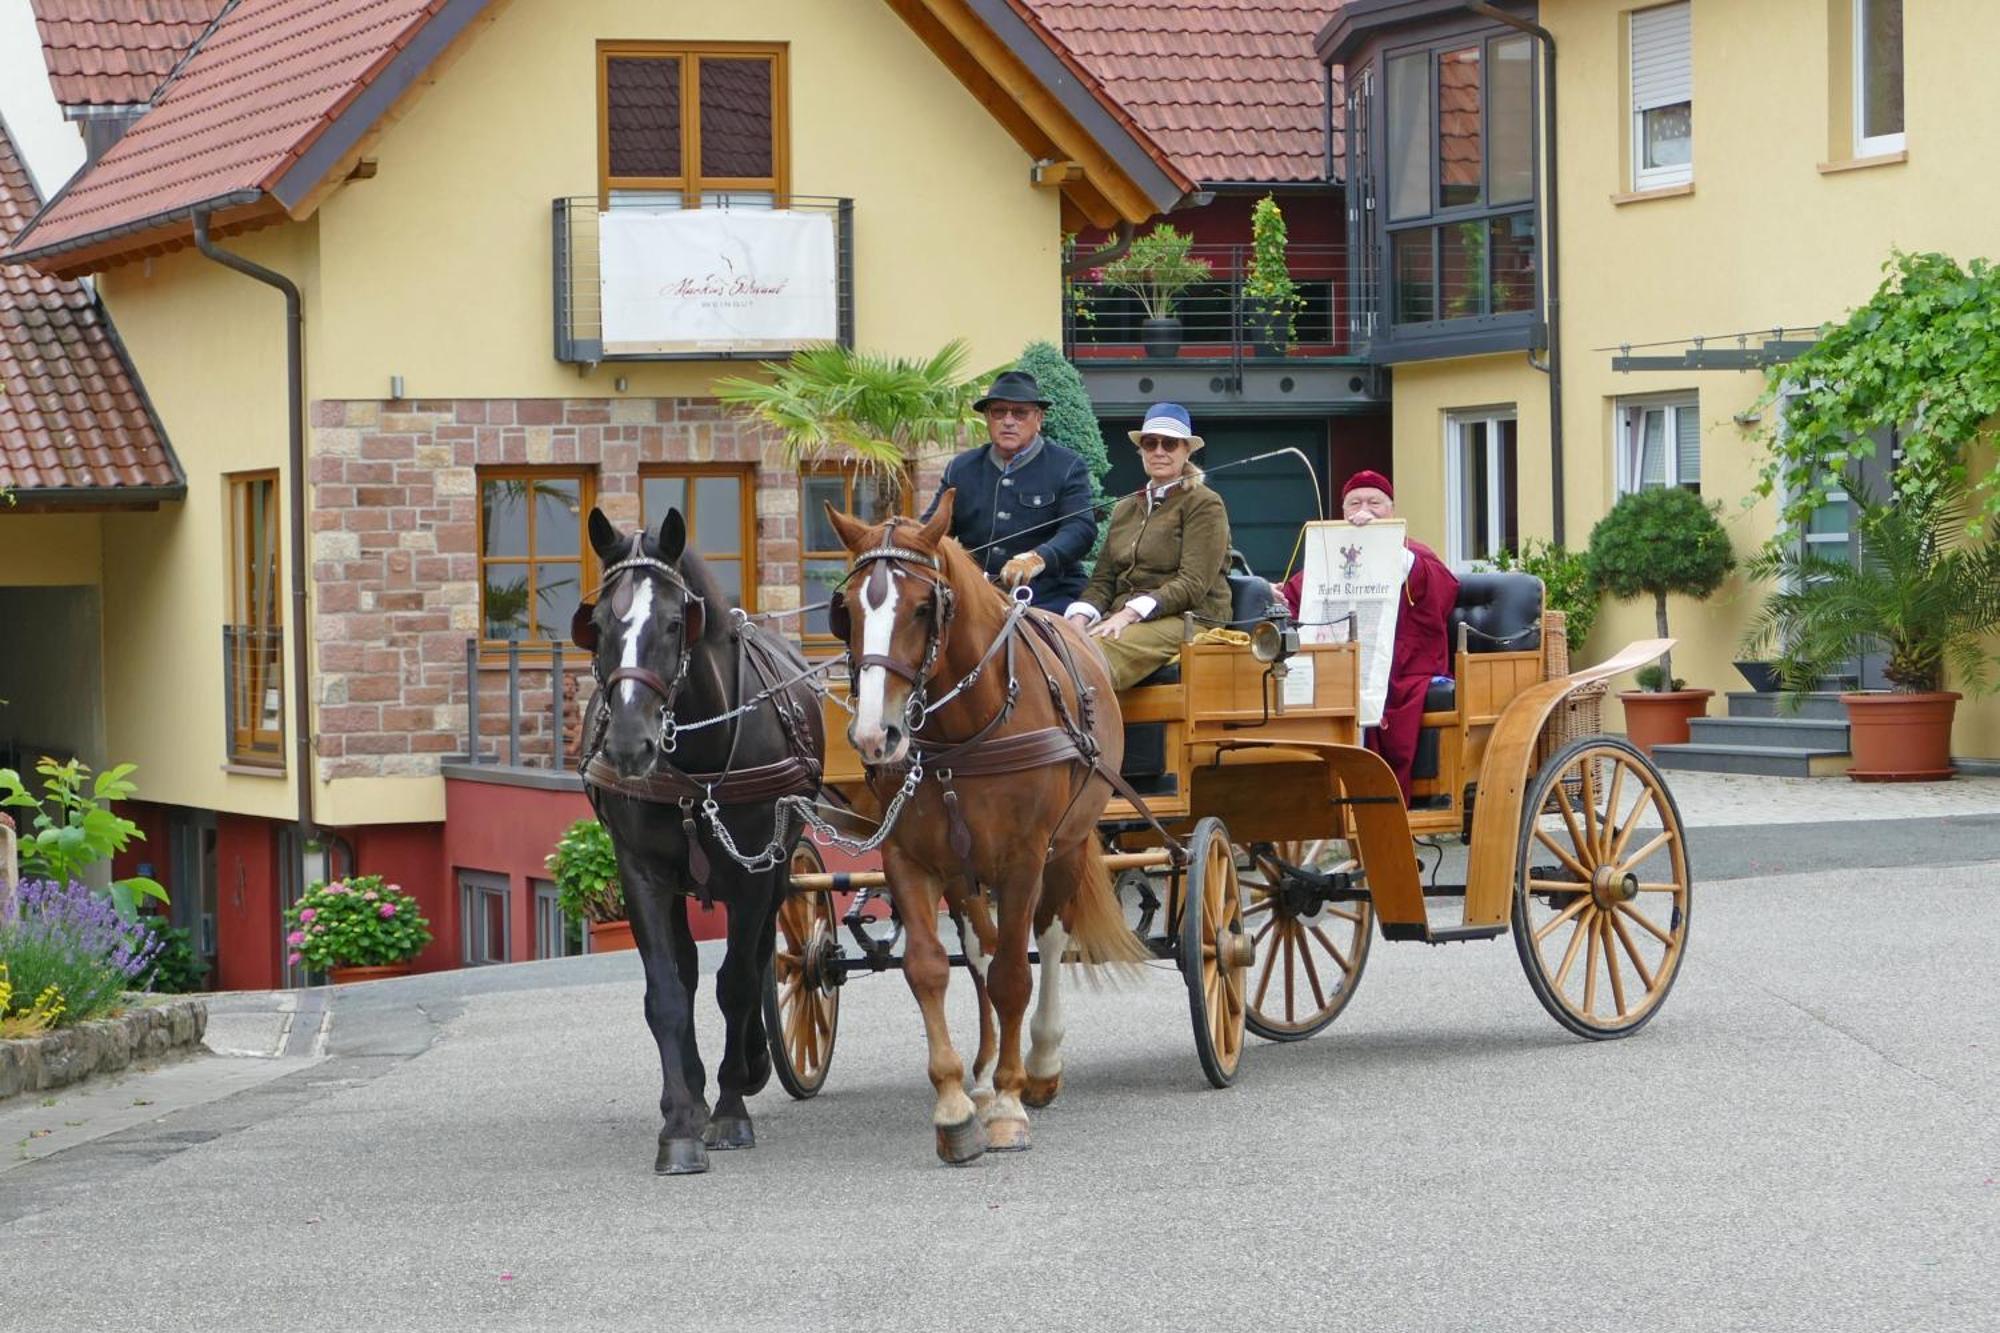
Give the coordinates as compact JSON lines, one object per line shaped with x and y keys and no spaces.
{"x":395,"y":532}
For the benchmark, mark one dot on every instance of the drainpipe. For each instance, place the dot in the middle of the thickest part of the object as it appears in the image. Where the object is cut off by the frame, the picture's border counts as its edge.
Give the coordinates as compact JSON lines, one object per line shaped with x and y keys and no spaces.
{"x":1121,"y":241}
{"x":295,"y":403}
{"x":1552,"y":235}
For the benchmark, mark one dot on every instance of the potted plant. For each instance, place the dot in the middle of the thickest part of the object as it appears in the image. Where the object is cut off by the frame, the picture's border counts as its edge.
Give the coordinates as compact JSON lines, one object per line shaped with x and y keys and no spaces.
{"x":356,"y":929}
{"x":1269,"y":292}
{"x":1656,"y":543}
{"x":587,"y":887}
{"x":1924,"y":593}
{"x":1157,"y":269}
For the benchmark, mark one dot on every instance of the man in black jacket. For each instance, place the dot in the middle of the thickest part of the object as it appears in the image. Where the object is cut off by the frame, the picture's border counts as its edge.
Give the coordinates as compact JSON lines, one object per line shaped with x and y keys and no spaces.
{"x":1024,"y":499}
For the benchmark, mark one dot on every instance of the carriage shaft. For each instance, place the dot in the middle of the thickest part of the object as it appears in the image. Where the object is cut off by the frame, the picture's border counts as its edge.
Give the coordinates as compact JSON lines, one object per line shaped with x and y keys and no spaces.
{"x":848,"y":881}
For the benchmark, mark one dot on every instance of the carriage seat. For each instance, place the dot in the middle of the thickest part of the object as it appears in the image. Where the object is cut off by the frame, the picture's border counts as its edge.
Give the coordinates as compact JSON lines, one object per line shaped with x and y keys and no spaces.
{"x":1504,"y":614}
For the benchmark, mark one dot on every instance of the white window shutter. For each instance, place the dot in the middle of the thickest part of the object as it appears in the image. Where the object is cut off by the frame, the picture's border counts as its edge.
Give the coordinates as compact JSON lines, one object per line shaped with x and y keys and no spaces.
{"x":1662,"y":57}
{"x":1687,"y":444}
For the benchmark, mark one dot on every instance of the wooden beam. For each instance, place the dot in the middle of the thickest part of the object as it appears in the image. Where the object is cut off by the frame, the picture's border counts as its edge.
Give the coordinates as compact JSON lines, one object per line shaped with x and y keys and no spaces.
{"x":1055,"y":175}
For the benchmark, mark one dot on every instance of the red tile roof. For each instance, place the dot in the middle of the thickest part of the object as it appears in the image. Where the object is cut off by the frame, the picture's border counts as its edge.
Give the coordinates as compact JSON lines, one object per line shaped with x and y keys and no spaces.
{"x":251,"y":100}
{"x":117,"y":52}
{"x":1230,"y":89}
{"x":72,"y":414}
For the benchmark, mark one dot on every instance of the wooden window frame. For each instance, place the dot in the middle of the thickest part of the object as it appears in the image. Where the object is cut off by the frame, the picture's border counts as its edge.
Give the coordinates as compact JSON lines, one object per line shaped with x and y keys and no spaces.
{"x":826,"y":643}
{"x":691,"y":183}
{"x":496,"y":649}
{"x":250,"y":744}
{"x":746,"y":476}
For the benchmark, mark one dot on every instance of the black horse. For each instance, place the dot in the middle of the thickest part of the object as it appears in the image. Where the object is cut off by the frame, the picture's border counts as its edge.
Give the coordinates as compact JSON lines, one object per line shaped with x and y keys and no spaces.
{"x":671,"y":657}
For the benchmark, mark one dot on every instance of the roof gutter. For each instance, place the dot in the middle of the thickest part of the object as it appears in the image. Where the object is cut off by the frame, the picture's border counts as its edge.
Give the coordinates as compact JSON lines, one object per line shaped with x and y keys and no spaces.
{"x":302,"y":748}
{"x":1551,"y":247}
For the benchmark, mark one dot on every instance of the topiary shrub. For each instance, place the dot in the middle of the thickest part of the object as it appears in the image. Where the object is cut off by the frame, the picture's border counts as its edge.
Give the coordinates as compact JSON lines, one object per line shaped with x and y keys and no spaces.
{"x":1071,"y":420}
{"x":1657,"y":542}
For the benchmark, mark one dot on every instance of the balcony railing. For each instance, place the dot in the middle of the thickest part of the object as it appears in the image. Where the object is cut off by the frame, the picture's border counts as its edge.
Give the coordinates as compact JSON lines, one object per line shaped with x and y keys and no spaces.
{"x":530,"y":715}
{"x":1217,"y":319}
{"x":253,"y":691}
{"x":721,"y":334}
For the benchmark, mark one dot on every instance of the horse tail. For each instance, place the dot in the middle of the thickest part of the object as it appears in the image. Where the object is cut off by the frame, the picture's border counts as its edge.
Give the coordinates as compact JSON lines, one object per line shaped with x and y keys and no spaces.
{"x":1095,"y":920}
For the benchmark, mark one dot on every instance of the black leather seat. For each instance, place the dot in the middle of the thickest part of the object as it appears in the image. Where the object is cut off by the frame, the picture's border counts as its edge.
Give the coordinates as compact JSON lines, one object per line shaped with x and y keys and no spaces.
{"x":1502,"y":611}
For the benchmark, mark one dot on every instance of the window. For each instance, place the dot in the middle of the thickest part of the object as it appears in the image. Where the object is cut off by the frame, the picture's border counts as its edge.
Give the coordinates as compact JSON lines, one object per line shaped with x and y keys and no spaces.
{"x":696,"y":125}
{"x":1662,"y":79}
{"x":1659,"y":443}
{"x":1878,"y":77}
{"x":870,"y":497}
{"x":254,"y":639}
{"x":556,"y":936}
{"x":1482,"y":514}
{"x":482,"y":914}
{"x":1460,"y":131}
{"x":532,"y":553}
{"x":719,"y":504}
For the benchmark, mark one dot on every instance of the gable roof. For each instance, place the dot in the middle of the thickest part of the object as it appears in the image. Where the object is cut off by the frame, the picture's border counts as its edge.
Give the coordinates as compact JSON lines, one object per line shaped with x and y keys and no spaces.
{"x":276,"y":103}
{"x":1231,"y":89}
{"x":75,"y":425}
{"x":117,"y":52}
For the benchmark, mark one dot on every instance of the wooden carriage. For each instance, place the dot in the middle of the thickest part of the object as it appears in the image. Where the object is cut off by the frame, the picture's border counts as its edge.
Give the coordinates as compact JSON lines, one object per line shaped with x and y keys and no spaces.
{"x":1296,"y":847}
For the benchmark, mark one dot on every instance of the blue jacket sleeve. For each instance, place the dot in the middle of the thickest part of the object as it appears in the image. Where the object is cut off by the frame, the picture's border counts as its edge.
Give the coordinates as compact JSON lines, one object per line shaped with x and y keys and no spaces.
{"x":1077,"y":533}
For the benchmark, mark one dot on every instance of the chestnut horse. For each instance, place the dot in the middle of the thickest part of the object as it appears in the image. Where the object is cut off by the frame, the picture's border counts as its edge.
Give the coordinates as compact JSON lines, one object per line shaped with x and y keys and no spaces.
{"x":1009,"y":716}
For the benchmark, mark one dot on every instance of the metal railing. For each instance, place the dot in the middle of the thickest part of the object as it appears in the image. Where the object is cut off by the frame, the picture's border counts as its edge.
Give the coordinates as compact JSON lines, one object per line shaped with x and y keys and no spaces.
{"x":1218,"y":317}
{"x":537,"y":733}
{"x":579,"y":328}
{"x":253,"y":693}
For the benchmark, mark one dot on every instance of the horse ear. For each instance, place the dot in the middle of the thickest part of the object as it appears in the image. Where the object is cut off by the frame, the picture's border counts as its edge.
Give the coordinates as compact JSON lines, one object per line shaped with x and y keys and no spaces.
{"x":583,"y":626}
{"x":938,"y":527}
{"x":852,"y":531}
{"x":605,"y":538}
{"x":673,"y":536}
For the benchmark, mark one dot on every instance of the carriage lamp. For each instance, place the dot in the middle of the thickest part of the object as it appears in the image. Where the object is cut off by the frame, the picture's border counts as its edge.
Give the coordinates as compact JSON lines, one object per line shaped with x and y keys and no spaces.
{"x":1272,"y":642}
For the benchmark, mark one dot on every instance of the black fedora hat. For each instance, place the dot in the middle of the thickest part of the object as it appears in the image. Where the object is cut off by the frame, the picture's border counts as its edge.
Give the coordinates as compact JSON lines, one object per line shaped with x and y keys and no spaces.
{"x":1012,"y":386}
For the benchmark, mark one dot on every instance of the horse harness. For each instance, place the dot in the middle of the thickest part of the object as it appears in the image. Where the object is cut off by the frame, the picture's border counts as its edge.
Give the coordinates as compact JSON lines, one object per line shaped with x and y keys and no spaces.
{"x":797,"y":773}
{"x":984,"y":754}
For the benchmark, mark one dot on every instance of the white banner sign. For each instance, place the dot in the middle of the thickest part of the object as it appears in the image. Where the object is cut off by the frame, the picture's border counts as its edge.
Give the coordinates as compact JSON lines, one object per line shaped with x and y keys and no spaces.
{"x":716,"y":280}
{"x":1358,"y":570}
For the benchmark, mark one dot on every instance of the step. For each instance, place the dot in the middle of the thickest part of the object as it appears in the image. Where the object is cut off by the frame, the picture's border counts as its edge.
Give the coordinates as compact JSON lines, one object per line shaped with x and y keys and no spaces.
{"x":1823,"y":706}
{"x":1762,"y":760}
{"x":1790,"y":733}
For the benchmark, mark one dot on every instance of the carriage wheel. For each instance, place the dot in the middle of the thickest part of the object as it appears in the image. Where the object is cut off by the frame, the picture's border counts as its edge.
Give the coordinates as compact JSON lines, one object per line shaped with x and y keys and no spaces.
{"x":1603,"y":890}
{"x":802,"y":985}
{"x":1309,"y":954}
{"x":1215,"y":952}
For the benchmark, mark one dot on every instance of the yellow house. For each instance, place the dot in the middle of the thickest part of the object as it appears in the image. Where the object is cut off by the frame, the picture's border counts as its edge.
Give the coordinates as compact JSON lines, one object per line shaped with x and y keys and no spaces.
{"x":1727,"y":177}
{"x":413,"y":287}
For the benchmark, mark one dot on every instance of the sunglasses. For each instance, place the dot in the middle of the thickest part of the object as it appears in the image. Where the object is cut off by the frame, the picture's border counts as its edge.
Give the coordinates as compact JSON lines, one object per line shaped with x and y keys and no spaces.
{"x":1164,"y":444}
{"x":1012,"y":412}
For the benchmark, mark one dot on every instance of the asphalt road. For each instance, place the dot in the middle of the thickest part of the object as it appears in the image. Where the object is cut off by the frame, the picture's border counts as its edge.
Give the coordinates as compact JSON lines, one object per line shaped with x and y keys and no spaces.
{"x":1805,"y":1139}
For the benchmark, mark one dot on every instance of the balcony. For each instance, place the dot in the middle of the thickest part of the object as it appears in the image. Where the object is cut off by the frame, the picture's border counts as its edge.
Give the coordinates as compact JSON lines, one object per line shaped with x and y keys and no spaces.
{"x":253,"y":692}
{"x":1223,"y":355}
{"x":732,"y":280}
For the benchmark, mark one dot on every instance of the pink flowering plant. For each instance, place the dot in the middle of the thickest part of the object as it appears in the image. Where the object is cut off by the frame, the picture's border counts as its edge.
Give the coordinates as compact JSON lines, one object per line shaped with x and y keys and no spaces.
{"x":355,"y":922}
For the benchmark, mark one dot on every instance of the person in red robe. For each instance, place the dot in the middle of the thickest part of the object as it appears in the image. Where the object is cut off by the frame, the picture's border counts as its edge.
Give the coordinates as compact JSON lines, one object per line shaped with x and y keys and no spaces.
{"x":1423,"y":645}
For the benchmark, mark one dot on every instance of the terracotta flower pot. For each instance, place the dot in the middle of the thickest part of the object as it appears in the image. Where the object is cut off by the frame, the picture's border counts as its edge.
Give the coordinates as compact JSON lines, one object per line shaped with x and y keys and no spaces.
{"x":1661,"y":717}
{"x":610,"y":936}
{"x":347,"y":976}
{"x":1900,"y":737}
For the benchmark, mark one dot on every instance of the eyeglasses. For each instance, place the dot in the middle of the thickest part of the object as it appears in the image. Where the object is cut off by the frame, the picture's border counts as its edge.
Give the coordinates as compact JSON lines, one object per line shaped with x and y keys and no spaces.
{"x":1012,"y":411}
{"x":1164,"y":444}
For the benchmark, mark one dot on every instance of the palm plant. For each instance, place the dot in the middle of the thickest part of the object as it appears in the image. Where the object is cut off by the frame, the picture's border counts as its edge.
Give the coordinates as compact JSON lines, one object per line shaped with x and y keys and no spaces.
{"x":879,"y":411}
{"x":1922,"y":592}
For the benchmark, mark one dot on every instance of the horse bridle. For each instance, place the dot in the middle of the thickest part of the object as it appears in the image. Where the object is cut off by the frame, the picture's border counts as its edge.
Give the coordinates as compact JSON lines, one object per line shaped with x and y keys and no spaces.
{"x":841,"y":621}
{"x":694,"y":618}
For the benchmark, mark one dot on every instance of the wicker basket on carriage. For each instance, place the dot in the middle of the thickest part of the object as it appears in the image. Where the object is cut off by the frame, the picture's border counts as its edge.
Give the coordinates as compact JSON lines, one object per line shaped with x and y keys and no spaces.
{"x":1582,"y":713}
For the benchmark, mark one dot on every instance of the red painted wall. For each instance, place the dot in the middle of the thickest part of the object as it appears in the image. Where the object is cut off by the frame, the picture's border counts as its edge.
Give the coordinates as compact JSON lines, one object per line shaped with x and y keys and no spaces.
{"x":249,"y":928}
{"x":411,"y":856}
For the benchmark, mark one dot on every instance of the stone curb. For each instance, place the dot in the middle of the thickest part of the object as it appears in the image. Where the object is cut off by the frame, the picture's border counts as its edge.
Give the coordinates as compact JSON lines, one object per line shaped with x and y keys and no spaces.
{"x":69,"y":1055}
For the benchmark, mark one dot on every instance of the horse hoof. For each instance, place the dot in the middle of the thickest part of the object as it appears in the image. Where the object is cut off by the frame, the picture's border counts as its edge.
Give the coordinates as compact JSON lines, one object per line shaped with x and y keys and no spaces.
{"x":729,"y":1131}
{"x":681,"y":1157}
{"x":1007,"y":1135}
{"x":1039,"y":1092}
{"x":961,"y":1144}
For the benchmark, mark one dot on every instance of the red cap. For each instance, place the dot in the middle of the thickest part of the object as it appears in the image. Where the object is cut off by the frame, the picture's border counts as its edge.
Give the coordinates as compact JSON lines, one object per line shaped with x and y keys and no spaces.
{"x":1365,"y":477}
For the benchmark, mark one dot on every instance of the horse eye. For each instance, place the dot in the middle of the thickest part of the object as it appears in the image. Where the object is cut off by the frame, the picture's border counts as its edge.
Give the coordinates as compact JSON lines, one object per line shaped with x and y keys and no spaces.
{"x":923,"y":610}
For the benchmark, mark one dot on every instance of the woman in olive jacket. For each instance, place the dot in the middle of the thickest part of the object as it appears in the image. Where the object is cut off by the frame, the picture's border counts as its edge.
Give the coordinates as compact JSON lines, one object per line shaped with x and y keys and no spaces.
{"x":1167,"y":553}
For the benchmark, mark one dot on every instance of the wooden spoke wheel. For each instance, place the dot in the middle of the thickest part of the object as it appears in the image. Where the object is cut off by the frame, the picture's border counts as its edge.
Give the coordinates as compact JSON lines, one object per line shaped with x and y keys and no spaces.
{"x":1602,"y":893}
{"x":802,"y":985}
{"x":1309,"y":952}
{"x":1215,"y":953}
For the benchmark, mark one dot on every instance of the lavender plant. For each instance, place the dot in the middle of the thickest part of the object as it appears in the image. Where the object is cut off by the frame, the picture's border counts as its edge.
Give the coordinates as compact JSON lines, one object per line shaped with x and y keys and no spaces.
{"x":75,"y":941}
